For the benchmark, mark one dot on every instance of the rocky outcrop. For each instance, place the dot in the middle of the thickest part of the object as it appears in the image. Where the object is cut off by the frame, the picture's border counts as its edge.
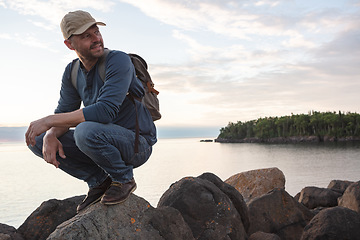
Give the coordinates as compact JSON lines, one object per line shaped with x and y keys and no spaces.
{"x":339,"y":185}
{"x":277,"y":212}
{"x":9,"y":233}
{"x":234,"y":195}
{"x":205,"y":207}
{"x":209,"y":212}
{"x":134,"y":219}
{"x":47,"y":217}
{"x":313,"y":197}
{"x":264,"y":236}
{"x":351,"y":197}
{"x":333,"y":224}
{"x":255,"y":183}
{"x":293,"y":139}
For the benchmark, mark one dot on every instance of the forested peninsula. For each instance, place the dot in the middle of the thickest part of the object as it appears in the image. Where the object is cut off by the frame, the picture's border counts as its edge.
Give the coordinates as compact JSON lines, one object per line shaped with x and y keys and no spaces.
{"x":312,"y":127}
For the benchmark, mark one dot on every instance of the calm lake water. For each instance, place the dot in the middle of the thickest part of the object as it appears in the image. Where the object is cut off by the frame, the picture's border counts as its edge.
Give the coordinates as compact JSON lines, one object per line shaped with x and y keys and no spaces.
{"x":27,"y":181}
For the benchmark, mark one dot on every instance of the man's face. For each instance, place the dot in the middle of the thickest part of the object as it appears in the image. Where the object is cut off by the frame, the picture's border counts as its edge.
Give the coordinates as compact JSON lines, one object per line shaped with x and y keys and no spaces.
{"x":89,"y":44}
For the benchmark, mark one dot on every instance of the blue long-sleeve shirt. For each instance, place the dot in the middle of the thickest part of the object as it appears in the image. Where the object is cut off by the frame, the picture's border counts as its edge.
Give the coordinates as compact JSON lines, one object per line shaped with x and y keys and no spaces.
{"x":106,"y":102}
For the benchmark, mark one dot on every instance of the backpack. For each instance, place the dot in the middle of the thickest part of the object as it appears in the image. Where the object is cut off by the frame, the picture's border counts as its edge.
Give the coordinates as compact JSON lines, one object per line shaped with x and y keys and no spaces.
{"x":149,"y":99}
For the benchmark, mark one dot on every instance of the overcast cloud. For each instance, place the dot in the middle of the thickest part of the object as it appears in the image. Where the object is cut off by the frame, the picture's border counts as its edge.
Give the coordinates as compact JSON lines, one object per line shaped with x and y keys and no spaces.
{"x":233,"y":60}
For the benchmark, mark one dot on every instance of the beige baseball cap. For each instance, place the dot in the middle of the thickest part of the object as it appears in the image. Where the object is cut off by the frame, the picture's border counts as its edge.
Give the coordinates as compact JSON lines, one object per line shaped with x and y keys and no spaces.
{"x":77,"y":22}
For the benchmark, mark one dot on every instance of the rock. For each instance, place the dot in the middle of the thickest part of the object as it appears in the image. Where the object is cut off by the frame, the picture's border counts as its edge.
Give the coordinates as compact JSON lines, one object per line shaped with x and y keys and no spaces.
{"x":335,"y":223}
{"x":351,"y":197}
{"x":339,"y":185}
{"x":255,"y":183}
{"x":277,"y":212}
{"x":264,"y":236}
{"x":235,"y":197}
{"x":317,"y":210}
{"x":313,"y":197}
{"x":133,"y":219}
{"x":169,"y":222}
{"x":208,"y":211}
{"x":9,"y":233}
{"x":45,"y":218}
{"x":297,"y":196}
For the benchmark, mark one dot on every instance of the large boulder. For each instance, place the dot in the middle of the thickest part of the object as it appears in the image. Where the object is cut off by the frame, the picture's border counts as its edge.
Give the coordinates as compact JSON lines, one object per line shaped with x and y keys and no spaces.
{"x":235,"y":197}
{"x":277,"y":212}
{"x":254,"y":183}
{"x":313,"y":197}
{"x":339,"y":185}
{"x":133,"y":219}
{"x":335,"y":223}
{"x":351,"y":197}
{"x":45,"y":218}
{"x":264,"y":236}
{"x":208,"y":211}
{"x":9,"y":233}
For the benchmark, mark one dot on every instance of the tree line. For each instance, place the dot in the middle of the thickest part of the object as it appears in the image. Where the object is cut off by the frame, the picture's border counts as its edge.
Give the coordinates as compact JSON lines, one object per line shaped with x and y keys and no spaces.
{"x":314,"y":123}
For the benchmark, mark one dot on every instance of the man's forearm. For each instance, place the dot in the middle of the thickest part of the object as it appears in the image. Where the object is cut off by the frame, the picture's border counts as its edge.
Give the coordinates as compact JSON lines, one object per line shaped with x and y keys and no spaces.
{"x":57,"y":131}
{"x":65,"y":120}
{"x":59,"y":123}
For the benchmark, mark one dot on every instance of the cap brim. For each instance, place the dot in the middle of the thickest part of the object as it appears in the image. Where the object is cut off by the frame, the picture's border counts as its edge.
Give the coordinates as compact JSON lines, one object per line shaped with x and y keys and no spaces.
{"x":86,"y":27}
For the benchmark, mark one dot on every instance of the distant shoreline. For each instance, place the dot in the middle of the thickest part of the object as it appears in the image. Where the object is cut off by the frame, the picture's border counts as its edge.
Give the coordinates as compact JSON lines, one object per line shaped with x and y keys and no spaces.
{"x":16,"y":134}
{"x":294,"y":139}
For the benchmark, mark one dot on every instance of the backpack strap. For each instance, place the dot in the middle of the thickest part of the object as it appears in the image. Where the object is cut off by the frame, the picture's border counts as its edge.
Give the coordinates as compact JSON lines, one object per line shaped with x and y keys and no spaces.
{"x":74,"y":71}
{"x":101,"y":66}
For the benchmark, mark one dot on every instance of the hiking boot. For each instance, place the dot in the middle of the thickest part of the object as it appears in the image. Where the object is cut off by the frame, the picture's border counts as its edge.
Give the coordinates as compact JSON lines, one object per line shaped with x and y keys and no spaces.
{"x":94,"y":195}
{"x":118,"y":192}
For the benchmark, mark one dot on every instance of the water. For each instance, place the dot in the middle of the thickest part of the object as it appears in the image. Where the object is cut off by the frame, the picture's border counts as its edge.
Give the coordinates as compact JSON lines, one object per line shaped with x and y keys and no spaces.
{"x":27,"y":181}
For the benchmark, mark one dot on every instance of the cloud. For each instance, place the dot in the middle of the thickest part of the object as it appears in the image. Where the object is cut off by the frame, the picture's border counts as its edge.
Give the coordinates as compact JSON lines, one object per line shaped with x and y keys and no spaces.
{"x":29,"y":40}
{"x":5,"y":36}
{"x":52,"y":11}
{"x":244,"y":59}
{"x":2,"y":4}
{"x":216,"y":17}
{"x":307,"y":66}
{"x":270,"y":3}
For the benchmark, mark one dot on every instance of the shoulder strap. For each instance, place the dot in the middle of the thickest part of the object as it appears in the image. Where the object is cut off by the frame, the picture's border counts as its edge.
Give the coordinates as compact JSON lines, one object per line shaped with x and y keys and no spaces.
{"x":74,"y":71}
{"x":101,"y":68}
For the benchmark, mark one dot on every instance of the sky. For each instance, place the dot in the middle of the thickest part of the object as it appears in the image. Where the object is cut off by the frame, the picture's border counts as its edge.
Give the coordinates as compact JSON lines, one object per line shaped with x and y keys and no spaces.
{"x":213,"y":61}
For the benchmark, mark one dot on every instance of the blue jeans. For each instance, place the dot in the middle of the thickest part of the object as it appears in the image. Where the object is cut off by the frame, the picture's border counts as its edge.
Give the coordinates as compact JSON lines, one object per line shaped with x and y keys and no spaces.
{"x":95,"y":151}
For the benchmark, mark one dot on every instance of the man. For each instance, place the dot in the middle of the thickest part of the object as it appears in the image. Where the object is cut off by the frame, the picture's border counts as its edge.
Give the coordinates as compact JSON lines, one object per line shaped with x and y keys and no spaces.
{"x":100,"y":150}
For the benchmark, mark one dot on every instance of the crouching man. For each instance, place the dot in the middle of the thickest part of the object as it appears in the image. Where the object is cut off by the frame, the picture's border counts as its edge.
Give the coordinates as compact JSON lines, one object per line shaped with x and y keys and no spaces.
{"x":95,"y":143}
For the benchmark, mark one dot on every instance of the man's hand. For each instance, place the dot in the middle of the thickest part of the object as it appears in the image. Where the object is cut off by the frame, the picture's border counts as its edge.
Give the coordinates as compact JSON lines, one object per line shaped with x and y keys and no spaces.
{"x":51,"y":146}
{"x":35,"y":129}
{"x":64,"y":120}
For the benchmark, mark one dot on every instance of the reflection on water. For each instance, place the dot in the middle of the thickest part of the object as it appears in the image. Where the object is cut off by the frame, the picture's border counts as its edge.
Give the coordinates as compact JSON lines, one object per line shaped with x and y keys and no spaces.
{"x":27,"y":180}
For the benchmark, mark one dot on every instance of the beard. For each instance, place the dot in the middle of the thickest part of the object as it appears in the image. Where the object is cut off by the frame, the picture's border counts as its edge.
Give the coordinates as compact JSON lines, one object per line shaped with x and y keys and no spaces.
{"x":95,"y":51}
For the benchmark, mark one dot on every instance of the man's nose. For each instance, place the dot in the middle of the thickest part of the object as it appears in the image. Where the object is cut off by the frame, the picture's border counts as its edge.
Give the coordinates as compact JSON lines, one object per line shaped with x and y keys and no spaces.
{"x":96,"y":37}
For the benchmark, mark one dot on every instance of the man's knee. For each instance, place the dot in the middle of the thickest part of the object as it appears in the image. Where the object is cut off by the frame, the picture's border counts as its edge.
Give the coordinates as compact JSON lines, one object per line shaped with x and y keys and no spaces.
{"x":84,"y":132}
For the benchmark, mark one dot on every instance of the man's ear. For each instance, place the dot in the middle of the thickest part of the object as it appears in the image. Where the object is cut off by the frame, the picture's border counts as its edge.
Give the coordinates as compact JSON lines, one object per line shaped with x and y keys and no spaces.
{"x":69,"y":44}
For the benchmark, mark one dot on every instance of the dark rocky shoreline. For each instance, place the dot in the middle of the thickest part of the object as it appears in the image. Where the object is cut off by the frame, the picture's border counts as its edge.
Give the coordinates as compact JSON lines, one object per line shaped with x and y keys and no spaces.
{"x":297,"y":139}
{"x":252,"y":205}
